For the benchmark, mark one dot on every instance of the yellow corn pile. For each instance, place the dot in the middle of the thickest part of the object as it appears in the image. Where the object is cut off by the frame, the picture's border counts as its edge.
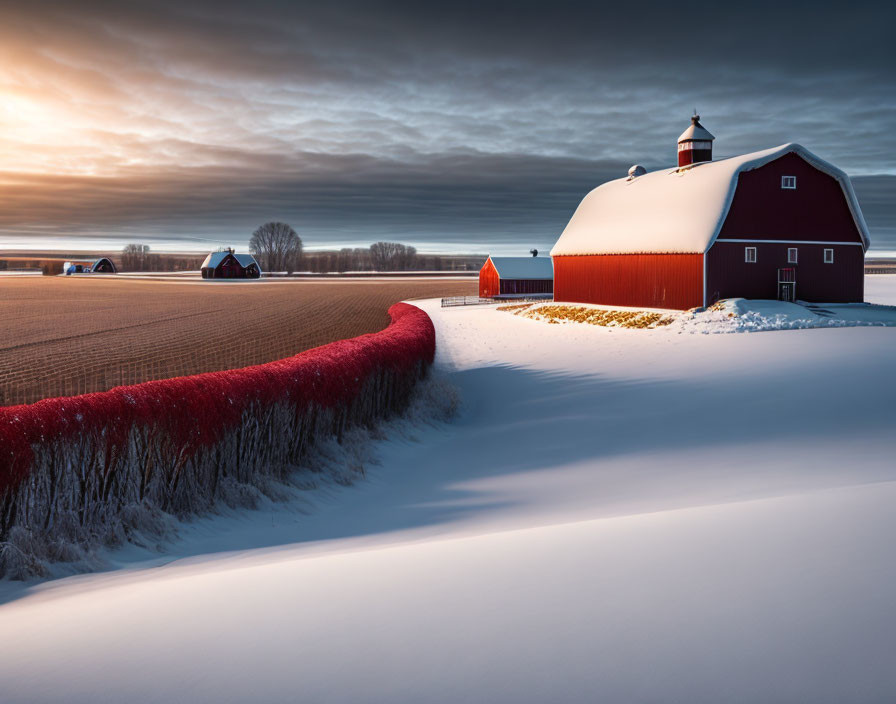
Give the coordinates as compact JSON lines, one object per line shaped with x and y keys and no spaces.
{"x":595,"y":316}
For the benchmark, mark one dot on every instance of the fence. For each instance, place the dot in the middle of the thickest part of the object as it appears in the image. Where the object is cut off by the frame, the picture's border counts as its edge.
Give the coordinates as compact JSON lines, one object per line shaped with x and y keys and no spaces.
{"x":453,"y":301}
{"x":880,"y":269}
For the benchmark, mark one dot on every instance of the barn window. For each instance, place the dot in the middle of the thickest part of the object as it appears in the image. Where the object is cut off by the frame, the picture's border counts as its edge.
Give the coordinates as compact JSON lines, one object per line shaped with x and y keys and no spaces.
{"x":829,"y":256}
{"x":750,"y":255}
{"x":788,"y":182}
{"x":791,"y":255}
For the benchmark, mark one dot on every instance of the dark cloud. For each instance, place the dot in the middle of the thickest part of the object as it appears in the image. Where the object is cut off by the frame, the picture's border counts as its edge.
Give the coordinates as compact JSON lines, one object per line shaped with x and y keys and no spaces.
{"x":461,"y":124}
{"x":324,"y":40}
{"x":466,"y":200}
{"x":877,"y":196}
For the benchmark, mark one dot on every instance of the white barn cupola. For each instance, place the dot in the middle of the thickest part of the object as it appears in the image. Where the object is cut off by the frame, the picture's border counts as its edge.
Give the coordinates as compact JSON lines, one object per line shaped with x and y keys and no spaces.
{"x":695,"y":143}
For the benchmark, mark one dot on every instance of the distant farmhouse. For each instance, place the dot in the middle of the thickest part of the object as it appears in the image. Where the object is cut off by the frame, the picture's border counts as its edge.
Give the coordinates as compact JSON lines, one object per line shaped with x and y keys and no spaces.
{"x":103,"y":265}
{"x":229,"y":265}
{"x":775,"y":224}
{"x":516,"y":276}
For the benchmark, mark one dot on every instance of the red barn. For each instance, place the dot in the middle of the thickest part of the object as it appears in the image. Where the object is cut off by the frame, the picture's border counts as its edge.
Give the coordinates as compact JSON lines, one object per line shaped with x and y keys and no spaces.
{"x":227,"y":264}
{"x":516,"y":276}
{"x":776,"y":224}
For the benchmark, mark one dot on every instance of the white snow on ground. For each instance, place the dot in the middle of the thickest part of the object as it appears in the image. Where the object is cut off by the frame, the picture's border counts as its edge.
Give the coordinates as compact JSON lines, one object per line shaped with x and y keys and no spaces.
{"x":881,"y":288}
{"x":742,"y":315}
{"x":616,"y":515}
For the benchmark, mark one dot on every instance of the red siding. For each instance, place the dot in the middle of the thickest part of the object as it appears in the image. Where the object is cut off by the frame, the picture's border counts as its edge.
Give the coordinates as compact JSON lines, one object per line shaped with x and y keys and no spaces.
{"x":729,"y":276}
{"x":816,"y":210}
{"x":230,"y":268}
{"x":489,"y":284}
{"x":647,"y":280}
{"x":687,"y":157}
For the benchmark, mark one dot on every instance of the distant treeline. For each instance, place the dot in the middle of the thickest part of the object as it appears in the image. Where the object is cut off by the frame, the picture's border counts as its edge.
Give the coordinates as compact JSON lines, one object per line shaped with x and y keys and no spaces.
{"x":144,"y":262}
{"x":380,"y":256}
{"x":387,"y":256}
{"x":48,"y":267}
{"x":137,"y":257}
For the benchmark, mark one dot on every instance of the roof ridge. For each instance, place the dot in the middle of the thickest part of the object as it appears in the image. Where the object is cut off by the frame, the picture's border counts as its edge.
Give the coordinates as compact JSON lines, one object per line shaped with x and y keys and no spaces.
{"x":683,"y":214}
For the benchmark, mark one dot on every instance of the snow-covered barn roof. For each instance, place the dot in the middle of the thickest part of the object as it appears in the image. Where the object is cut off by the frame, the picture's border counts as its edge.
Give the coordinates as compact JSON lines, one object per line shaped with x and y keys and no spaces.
{"x":245,"y":260}
{"x":675,"y":210}
{"x":697,"y":132}
{"x":215,"y":258}
{"x":524,"y":267}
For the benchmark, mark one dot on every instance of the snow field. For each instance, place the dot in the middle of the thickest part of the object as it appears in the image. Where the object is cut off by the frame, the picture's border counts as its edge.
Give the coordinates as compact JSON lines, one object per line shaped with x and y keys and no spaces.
{"x":615,"y":515}
{"x":652,"y":607}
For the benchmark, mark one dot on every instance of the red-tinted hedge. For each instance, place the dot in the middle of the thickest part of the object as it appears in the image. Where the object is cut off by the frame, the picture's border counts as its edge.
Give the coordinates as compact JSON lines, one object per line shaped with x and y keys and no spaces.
{"x":198,"y":411}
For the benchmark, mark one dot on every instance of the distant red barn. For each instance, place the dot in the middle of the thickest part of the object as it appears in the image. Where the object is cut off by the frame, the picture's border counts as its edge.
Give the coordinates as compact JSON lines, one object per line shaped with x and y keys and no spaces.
{"x":227,"y":264}
{"x":516,"y":276}
{"x":776,"y":224}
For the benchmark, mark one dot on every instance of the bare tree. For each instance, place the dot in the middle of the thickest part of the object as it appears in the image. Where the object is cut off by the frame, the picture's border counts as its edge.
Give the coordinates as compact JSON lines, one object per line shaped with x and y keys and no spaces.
{"x":135,"y":257}
{"x":392,"y":256}
{"x":277,"y":247}
{"x":362,"y":259}
{"x":353,"y":259}
{"x":407,"y":258}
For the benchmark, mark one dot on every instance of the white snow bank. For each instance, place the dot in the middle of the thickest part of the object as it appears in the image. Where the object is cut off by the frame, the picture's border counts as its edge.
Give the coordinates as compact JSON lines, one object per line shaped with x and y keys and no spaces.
{"x":881,"y":289}
{"x":755,"y":601}
{"x":743,"y":315}
{"x":616,"y":515}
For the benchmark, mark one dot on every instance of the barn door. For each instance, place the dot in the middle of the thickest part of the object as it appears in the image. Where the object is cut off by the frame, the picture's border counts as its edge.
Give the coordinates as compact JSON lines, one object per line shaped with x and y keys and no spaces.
{"x":787,"y":285}
{"x":229,"y":269}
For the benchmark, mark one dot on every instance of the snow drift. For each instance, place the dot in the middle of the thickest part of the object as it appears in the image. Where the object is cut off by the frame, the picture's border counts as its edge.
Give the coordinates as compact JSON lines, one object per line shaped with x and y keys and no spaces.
{"x":614,"y":515}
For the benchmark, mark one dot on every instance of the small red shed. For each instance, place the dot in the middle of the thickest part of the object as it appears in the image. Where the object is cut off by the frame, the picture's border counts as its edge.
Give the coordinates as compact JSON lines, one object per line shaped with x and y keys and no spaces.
{"x":516,"y":276}
{"x":775,"y":224}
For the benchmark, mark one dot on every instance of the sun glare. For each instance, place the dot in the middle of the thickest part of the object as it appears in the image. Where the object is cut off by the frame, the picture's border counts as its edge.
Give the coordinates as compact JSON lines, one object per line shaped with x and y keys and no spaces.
{"x":36,"y":137}
{"x":19,"y":112}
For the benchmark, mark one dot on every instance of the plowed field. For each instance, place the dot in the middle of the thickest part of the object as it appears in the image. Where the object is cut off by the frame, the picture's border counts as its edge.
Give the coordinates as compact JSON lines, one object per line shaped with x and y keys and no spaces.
{"x":64,"y":336}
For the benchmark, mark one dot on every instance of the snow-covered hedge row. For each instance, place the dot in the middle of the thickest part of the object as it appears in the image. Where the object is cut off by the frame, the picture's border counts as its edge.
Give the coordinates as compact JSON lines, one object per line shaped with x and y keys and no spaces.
{"x":70,"y":465}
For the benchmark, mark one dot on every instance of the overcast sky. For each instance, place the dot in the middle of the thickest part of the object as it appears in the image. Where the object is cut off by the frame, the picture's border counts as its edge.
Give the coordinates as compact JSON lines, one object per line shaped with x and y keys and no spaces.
{"x":464,"y":126}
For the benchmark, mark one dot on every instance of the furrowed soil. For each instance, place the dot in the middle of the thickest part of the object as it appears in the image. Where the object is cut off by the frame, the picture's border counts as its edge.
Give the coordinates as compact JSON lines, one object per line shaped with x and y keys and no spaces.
{"x":65,"y":336}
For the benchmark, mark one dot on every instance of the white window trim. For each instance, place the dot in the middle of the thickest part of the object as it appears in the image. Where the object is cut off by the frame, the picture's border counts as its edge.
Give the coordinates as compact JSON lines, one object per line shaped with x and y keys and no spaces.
{"x":747,"y":252}
{"x":795,"y":252}
{"x":826,"y":253}
{"x":787,"y":184}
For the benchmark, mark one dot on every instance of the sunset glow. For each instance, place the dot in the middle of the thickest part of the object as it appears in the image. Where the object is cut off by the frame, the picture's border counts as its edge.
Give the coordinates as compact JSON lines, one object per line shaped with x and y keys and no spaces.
{"x":173,"y":122}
